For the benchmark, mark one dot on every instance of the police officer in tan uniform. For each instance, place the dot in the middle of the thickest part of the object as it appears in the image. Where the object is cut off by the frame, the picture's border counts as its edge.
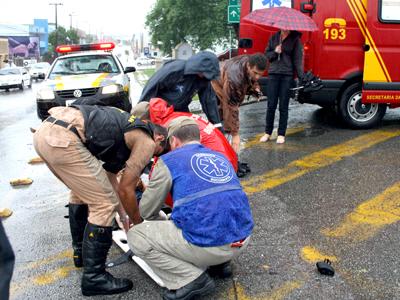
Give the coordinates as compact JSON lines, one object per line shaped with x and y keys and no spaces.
{"x":85,"y":146}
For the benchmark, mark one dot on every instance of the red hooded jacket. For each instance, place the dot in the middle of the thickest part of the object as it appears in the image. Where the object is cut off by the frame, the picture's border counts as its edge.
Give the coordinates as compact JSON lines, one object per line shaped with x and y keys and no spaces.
{"x":161,"y":113}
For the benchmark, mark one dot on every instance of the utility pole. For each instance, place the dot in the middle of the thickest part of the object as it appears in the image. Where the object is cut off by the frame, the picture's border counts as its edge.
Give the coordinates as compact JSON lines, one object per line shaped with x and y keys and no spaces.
{"x":55,"y":7}
{"x":70,"y":19}
{"x":230,"y":43}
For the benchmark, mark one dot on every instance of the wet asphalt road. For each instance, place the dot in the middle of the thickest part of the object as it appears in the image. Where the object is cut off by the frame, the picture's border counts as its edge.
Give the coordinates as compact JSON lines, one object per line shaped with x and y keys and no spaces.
{"x":329,"y":192}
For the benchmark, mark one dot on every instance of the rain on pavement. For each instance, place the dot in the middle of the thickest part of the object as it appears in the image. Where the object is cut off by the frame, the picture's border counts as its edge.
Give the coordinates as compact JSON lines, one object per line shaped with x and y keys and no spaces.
{"x":328,"y":192}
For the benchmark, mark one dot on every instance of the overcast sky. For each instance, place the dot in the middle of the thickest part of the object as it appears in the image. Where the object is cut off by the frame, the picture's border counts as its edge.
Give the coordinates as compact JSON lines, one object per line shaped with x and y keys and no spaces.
{"x":116,"y":17}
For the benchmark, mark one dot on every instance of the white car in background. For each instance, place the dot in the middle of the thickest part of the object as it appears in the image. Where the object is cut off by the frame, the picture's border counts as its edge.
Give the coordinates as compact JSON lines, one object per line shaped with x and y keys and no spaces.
{"x":39,"y":70}
{"x":145,"y":61}
{"x":14,"y":77}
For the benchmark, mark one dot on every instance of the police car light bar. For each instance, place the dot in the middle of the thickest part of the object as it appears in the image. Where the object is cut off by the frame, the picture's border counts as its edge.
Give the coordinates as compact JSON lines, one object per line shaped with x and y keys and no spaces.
{"x":86,"y":47}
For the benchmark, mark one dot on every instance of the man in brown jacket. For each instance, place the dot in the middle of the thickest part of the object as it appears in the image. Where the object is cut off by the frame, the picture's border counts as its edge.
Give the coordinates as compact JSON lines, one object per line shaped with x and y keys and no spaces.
{"x":239,"y":77}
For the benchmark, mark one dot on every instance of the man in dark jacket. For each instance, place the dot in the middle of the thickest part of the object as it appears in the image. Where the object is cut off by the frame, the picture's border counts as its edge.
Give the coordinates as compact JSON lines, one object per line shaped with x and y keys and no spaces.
{"x":178,"y":81}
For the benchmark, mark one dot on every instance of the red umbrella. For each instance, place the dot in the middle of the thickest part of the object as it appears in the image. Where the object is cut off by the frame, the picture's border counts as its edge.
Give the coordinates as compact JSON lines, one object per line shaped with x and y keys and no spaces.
{"x":283,"y":18}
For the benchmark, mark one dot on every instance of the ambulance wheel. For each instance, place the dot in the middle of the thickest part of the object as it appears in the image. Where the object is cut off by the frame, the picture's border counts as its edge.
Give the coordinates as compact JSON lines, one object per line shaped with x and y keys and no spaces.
{"x":356,"y":114}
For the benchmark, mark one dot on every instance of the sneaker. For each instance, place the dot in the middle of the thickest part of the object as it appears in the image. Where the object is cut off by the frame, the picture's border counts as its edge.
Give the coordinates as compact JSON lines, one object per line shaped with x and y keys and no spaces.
{"x":265,"y":138}
{"x":280,"y":139}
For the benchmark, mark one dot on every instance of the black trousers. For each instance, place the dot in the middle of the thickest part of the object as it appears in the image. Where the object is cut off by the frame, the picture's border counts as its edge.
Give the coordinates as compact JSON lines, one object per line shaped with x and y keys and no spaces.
{"x":278,"y":91}
{"x":7,"y":259}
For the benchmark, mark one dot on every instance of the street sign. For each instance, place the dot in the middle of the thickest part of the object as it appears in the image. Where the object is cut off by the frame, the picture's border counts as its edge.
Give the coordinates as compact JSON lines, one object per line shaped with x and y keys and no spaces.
{"x":146,"y":50}
{"x":233,"y":14}
{"x":233,"y":2}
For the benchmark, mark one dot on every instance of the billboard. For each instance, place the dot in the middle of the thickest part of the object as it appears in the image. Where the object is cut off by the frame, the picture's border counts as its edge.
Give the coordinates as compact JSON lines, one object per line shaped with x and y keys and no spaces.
{"x":24,"y":46}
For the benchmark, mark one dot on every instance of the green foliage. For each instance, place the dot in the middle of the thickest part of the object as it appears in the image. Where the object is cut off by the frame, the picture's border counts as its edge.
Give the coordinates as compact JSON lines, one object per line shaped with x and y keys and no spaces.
{"x":90,"y":38}
{"x":202,"y":23}
{"x":63,"y":37}
{"x":73,"y":36}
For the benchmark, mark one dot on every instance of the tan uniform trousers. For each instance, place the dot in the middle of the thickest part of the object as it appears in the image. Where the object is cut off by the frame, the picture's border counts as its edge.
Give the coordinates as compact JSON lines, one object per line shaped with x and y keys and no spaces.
{"x":69,"y":160}
{"x":176,"y":261}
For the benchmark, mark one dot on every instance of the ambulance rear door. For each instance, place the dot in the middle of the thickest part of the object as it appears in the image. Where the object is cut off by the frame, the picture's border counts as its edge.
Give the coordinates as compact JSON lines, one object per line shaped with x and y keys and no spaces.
{"x":379,"y":21}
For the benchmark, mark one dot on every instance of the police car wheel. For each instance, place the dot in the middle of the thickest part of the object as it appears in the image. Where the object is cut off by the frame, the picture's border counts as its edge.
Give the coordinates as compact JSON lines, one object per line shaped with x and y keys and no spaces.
{"x":21,"y":86}
{"x":357,"y":115}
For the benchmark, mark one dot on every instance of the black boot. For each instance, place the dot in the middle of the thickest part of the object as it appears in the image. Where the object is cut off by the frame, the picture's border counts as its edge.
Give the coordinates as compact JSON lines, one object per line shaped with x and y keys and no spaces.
{"x":78,"y":215}
{"x":95,"y":280}
{"x":245,"y":166}
{"x":200,"y":286}
{"x":223,"y":270}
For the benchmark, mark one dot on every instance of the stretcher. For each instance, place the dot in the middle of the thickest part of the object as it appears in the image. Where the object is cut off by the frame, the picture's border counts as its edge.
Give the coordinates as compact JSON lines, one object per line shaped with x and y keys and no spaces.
{"x":120,"y":239}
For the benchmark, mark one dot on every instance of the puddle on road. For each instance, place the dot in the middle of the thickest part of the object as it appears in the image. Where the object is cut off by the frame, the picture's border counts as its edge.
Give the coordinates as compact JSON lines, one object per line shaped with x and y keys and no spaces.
{"x":312,"y":132}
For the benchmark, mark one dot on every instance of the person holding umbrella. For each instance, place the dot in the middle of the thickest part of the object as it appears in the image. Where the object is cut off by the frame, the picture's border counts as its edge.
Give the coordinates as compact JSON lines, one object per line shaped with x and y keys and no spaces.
{"x":285,"y":55}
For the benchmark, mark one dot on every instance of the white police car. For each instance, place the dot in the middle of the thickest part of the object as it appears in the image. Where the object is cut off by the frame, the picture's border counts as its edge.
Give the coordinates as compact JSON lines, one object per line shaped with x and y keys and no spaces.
{"x":90,"y":73}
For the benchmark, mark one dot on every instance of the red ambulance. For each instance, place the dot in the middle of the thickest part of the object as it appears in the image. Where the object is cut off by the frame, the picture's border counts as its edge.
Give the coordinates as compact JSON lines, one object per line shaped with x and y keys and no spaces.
{"x":356,"y":53}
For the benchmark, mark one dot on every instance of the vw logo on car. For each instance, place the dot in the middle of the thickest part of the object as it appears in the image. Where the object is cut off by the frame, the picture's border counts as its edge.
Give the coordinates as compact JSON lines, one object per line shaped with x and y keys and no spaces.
{"x":77,"y":93}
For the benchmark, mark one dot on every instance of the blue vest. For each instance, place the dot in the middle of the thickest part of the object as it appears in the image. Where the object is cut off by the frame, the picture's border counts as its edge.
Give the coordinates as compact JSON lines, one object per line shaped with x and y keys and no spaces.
{"x":210,"y":206}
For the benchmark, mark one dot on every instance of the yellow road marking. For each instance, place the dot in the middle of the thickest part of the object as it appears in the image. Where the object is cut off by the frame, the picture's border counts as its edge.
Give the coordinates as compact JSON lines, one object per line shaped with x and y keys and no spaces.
{"x":20,"y":287}
{"x":239,"y":293}
{"x":59,"y":256}
{"x":255,"y":141}
{"x":276,"y":294}
{"x":43,"y":279}
{"x":312,"y":255}
{"x":284,"y":290}
{"x":316,"y":161}
{"x":361,"y":280}
{"x":370,"y":216}
{"x":53,"y":276}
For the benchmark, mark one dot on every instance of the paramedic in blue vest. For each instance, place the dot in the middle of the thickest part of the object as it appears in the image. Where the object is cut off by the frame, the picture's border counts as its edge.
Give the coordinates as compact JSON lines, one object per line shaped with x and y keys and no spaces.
{"x":210,"y":223}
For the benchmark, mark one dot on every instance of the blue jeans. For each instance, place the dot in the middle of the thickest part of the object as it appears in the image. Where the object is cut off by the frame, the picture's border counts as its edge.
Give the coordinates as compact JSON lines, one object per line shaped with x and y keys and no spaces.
{"x":278,"y":90}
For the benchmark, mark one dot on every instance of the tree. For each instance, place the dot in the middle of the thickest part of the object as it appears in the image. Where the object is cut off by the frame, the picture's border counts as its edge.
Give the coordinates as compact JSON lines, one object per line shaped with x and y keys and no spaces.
{"x":63,"y":37}
{"x":73,"y":36}
{"x":202,"y":23}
